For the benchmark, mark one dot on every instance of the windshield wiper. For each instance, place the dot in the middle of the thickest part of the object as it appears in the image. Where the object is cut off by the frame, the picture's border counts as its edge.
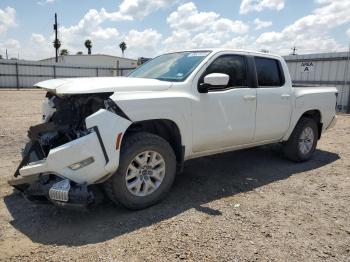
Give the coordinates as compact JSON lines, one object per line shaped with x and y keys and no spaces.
{"x":165,"y":79}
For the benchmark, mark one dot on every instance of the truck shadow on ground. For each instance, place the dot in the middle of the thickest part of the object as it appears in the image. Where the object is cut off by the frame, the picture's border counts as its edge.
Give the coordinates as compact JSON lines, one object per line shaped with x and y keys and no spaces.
{"x":203,"y":180}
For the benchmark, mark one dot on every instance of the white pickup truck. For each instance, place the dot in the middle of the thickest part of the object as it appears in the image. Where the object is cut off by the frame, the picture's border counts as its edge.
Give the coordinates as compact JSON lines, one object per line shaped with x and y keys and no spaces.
{"x":131,"y":135}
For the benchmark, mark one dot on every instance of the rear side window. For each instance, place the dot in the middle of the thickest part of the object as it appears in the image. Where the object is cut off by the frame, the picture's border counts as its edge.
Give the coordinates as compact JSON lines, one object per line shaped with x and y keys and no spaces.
{"x":268,"y":71}
{"x":232,"y":65}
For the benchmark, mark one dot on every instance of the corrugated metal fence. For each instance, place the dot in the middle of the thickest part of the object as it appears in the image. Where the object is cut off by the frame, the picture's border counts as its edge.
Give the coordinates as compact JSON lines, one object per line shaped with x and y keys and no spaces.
{"x":328,"y":69}
{"x":24,"y":74}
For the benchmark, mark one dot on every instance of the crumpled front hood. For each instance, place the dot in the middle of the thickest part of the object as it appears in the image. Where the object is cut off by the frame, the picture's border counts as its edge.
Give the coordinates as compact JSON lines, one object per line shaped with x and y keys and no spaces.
{"x":89,"y":85}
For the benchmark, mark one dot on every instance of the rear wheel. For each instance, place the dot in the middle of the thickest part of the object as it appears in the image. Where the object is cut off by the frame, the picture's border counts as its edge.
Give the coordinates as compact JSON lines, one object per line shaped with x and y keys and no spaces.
{"x":303,"y":141}
{"x":145,"y":174}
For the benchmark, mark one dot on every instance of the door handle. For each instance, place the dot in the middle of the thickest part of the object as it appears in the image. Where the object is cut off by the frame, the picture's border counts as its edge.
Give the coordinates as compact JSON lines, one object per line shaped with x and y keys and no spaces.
{"x":285,"y":96}
{"x":249,"y":97}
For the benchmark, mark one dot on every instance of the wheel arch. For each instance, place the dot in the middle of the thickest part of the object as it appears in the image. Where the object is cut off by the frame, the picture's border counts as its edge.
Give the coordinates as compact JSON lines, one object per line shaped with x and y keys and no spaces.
{"x":314,"y":114}
{"x":166,"y":129}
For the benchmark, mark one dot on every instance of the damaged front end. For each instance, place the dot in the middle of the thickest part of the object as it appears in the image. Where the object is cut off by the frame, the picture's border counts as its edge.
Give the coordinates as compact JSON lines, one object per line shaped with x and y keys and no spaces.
{"x":72,"y":150}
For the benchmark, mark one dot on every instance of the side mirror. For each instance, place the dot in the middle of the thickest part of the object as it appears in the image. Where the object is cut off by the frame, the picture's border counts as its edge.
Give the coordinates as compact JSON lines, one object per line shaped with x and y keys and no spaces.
{"x":216,"y":80}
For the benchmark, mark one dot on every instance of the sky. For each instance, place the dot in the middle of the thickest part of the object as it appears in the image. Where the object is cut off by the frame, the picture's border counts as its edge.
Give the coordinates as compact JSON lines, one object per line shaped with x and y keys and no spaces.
{"x":152,"y":27}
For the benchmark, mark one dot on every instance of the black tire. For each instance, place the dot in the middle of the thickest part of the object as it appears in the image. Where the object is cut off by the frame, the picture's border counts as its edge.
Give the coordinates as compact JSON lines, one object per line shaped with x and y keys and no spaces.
{"x":134,"y":144}
{"x":291,"y":148}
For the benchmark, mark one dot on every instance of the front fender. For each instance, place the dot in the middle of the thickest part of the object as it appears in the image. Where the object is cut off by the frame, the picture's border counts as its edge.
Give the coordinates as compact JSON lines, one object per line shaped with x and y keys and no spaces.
{"x":173,"y":106}
{"x":110,"y":126}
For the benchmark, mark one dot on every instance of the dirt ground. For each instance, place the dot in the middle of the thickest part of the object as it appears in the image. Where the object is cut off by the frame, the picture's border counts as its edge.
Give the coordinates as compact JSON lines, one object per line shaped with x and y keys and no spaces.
{"x":248,"y":205}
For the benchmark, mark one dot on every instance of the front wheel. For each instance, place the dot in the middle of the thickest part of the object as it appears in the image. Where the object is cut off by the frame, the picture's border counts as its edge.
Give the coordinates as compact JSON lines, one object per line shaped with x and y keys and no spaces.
{"x":146,"y":171}
{"x":303,"y":141}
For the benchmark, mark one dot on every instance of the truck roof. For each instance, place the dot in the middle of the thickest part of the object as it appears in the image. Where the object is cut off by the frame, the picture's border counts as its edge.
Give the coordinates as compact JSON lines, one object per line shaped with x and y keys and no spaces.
{"x":217,"y":50}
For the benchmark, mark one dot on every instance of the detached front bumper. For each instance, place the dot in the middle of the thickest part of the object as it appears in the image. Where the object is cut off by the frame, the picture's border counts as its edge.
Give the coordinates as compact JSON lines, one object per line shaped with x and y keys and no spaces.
{"x":61,"y":161}
{"x":84,"y":161}
{"x":45,"y":189}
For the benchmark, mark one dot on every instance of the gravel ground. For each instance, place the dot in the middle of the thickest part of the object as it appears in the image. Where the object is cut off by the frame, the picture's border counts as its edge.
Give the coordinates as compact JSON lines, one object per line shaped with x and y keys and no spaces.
{"x":248,"y":205}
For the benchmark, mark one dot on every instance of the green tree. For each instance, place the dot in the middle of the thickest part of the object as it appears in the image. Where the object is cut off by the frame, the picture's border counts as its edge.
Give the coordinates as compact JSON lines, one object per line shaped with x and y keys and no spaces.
{"x":64,"y":52}
{"x":123,"y":47}
{"x":0,"y":56}
{"x":88,"y":45}
{"x":79,"y":53}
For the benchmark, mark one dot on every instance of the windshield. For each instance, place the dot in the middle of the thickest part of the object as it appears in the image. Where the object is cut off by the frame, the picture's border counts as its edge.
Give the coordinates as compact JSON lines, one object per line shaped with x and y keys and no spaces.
{"x":170,"y":67}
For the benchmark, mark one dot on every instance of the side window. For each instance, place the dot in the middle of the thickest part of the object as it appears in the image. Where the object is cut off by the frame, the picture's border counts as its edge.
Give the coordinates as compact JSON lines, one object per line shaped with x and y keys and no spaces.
{"x":232,"y":65}
{"x":269,"y":72}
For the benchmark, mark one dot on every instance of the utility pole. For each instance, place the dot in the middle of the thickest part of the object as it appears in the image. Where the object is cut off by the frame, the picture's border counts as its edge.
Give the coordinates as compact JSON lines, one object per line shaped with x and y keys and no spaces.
{"x":55,"y":28}
{"x":294,"y":50}
{"x":7,"y":56}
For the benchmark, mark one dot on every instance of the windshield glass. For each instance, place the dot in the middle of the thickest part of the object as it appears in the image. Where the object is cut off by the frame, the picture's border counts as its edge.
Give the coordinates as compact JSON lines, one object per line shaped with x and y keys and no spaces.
{"x":170,"y":67}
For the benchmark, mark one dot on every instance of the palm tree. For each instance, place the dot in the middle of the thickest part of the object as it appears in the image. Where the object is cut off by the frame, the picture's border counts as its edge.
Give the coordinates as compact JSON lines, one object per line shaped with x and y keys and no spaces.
{"x":264,"y":51}
{"x":57,"y":44}
{"x":123,"y":47}
{"x":64,"y":52}
{"x":88,"y":45}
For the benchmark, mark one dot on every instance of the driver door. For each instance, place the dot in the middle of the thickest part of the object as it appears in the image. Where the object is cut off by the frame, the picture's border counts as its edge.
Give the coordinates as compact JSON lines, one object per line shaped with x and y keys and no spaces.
{"x":225,"y":117}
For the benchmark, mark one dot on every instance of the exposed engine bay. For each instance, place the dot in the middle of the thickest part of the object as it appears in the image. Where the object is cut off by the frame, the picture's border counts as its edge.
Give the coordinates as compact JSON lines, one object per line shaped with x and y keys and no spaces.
{"x":66,"y":122}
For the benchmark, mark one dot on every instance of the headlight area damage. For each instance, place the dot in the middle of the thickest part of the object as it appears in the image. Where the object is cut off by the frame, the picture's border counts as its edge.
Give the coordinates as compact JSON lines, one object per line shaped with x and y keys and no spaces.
{"x":75,"y":148}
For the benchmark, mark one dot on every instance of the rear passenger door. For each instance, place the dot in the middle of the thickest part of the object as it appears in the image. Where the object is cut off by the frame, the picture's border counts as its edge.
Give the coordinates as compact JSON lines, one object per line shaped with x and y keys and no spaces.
{"x":274,"y":101}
